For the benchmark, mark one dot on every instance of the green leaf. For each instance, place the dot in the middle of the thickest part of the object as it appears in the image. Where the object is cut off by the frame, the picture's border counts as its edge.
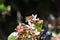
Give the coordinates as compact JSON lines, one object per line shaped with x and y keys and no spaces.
{"x":2,"y":7}
{"x":12,"y":38}
{"x":38,"y":26}
{"x":0,"y":39}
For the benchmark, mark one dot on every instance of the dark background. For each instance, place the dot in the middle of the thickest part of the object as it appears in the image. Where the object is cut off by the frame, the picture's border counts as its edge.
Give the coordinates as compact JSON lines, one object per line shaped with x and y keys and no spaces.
{"x":27,"y":7}
{"x":42,"y":7}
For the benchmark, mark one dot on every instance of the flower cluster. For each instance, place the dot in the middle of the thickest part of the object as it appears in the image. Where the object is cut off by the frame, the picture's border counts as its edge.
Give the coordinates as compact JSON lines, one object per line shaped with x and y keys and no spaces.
{"x":31,"y":30}
{"x":34,"y":19}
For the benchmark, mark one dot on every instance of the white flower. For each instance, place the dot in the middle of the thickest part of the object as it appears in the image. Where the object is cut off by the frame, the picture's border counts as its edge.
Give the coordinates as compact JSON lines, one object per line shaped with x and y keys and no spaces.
{"x":36,"y":32}
{"x":28,"y":26}
{"x":34,"y":16}
{"x":29,"y":36}
{"x":31,"y":25}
